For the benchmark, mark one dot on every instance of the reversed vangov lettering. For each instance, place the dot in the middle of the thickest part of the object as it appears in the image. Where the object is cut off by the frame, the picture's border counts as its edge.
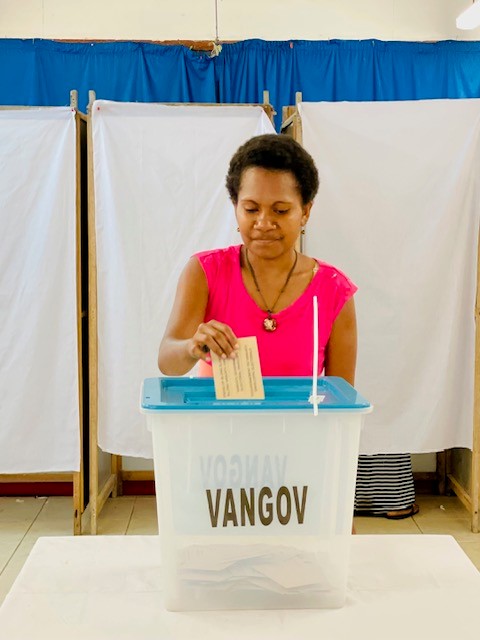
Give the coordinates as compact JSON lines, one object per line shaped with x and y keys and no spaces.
{"x":243,"y":470}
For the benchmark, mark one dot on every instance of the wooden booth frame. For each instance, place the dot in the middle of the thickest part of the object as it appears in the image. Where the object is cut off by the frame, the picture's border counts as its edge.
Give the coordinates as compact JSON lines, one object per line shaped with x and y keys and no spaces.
{"x":102,"y":488}
{"x":458,"y":470}
{"x":76,"y":477}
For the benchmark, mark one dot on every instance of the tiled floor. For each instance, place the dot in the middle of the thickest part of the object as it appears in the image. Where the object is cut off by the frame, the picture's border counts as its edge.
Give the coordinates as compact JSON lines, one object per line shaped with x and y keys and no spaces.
{"x":23,"y":520}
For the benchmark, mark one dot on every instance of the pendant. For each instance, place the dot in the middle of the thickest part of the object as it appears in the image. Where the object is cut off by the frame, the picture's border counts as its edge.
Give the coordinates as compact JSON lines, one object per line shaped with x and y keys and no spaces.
{"x":269,"y":324}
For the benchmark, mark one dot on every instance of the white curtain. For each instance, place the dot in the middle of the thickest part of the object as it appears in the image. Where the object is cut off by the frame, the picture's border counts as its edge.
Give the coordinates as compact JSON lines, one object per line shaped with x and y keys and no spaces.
{"x":398,"y":211}
{"x":39,"y":404}
{"x":160,"y":196}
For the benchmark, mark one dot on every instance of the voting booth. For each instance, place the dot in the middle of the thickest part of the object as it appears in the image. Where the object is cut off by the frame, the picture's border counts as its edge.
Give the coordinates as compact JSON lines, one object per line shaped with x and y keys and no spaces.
{"x":254,"y":497}
{"x":43,"y":301}
{"x":157,"y":197}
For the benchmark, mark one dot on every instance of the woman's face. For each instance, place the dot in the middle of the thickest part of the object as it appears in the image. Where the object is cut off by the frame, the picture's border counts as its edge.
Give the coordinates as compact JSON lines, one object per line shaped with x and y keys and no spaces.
{"x":269,"y":211}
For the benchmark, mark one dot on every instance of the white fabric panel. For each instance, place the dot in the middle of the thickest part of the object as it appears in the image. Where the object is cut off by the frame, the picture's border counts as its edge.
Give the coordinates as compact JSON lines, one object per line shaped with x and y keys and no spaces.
{"x":398,"y":211}
{"x":159,"y":197}
{"x":39,"y":413}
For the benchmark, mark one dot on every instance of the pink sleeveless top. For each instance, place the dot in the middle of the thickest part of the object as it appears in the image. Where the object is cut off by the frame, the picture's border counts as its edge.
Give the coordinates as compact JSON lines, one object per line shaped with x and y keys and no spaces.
{"x":288,"y":351}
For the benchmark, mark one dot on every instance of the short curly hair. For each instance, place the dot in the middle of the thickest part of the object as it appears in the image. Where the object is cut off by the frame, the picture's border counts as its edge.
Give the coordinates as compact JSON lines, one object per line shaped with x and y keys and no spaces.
{"x":276,"y":153}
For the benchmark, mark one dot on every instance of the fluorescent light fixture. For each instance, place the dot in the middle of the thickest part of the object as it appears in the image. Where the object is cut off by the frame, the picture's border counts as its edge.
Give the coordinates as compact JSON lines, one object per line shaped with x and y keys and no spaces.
{"x":470,"y":18}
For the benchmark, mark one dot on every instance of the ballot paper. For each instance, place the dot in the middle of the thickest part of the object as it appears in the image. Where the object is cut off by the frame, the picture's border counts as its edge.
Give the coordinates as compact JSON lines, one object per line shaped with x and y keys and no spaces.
{"x":275,"y":569}
{"x":239,"y":378}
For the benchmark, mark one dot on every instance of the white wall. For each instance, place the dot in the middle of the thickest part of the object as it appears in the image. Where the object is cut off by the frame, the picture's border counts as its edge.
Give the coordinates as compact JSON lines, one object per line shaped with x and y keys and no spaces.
{"x":238,"y":19}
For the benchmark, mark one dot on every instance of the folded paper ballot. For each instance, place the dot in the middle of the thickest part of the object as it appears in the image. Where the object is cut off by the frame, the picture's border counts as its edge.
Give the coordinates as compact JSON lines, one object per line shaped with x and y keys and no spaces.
{"x":272,"y":568}
{"x":239,"y":378}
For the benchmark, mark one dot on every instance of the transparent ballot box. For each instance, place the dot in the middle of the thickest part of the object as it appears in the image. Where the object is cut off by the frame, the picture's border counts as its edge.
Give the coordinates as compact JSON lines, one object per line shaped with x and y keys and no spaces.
{"x":254,"y":497}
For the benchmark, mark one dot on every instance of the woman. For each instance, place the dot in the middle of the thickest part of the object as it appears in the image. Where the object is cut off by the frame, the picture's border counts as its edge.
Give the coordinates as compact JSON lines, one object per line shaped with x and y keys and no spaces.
{"x":264,"y":287}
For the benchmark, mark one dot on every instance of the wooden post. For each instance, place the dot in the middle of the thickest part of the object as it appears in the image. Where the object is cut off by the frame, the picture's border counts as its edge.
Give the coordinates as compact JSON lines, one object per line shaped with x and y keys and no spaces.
{"x":297,"y":122}
{"x":292,"y":123}
{"x":116,"y":469}
{"x":78,"y":492}
{"x":269,"y":110}
{"x":113,"y":483}
{"x":441,"y":472}
{"x":475,"y":483}
{"x":74,"y":99}
{"x":292,"y":126}
{"x":92,"y":326}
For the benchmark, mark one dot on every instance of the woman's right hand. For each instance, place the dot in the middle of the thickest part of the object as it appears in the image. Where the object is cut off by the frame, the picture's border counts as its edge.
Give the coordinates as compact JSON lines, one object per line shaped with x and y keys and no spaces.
{"x":187,"y":338}
{"x":215,"y":337}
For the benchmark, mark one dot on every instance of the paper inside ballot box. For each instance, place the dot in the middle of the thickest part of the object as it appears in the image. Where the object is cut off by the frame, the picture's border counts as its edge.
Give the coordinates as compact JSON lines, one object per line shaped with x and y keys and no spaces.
{"x":239,"y":378}
{"x":279,"y":568}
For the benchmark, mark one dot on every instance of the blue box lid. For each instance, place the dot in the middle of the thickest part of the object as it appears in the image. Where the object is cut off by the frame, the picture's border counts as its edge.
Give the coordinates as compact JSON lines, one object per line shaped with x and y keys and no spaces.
{"x":281,"y":394}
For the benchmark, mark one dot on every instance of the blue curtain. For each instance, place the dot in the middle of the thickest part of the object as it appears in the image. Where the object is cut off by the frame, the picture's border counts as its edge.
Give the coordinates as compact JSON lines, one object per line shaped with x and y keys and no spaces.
{"x":42,"y":72}
{"x":338,"y":70}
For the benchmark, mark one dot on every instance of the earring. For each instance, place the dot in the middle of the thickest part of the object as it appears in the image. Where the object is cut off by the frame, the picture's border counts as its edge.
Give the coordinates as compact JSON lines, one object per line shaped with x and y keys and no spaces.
{"x":303,"y":231}
{"x":238,"y":228}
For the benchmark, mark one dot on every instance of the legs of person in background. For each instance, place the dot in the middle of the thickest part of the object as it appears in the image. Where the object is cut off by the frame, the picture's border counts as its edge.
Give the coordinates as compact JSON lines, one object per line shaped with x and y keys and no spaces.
{"x":385,"y":486}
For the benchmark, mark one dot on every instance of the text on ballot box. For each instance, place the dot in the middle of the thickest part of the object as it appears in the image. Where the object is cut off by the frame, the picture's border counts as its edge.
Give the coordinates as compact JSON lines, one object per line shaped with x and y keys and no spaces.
{"x":254,"y":497}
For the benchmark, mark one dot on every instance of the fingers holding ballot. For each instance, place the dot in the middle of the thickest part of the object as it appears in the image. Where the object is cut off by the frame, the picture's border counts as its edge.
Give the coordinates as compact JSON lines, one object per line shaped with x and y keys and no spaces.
{"x":213,"y":337}
{"x":235,"y":361}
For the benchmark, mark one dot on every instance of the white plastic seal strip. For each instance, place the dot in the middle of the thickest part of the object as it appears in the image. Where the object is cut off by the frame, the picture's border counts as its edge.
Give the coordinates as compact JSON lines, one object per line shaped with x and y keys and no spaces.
{"x":314,"y":398}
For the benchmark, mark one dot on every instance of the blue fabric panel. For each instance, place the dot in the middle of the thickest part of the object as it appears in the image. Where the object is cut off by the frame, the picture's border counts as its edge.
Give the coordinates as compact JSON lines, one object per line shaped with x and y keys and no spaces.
{"x":245,"y":69}
{"x":42,"y":73}
{"x":338,"y":70}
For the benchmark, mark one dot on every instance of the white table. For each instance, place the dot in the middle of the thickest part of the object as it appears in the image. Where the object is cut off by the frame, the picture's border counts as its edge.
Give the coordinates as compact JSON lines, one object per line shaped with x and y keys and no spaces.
{"x":413,"y":587}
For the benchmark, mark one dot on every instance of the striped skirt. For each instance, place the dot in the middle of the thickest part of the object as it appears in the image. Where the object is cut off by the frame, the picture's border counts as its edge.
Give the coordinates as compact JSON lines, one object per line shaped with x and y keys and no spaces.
{"x":384,"y":483}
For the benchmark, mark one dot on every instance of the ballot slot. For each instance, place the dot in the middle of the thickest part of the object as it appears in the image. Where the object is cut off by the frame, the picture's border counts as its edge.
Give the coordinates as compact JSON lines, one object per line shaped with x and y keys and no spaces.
{"x":294,"y":392}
